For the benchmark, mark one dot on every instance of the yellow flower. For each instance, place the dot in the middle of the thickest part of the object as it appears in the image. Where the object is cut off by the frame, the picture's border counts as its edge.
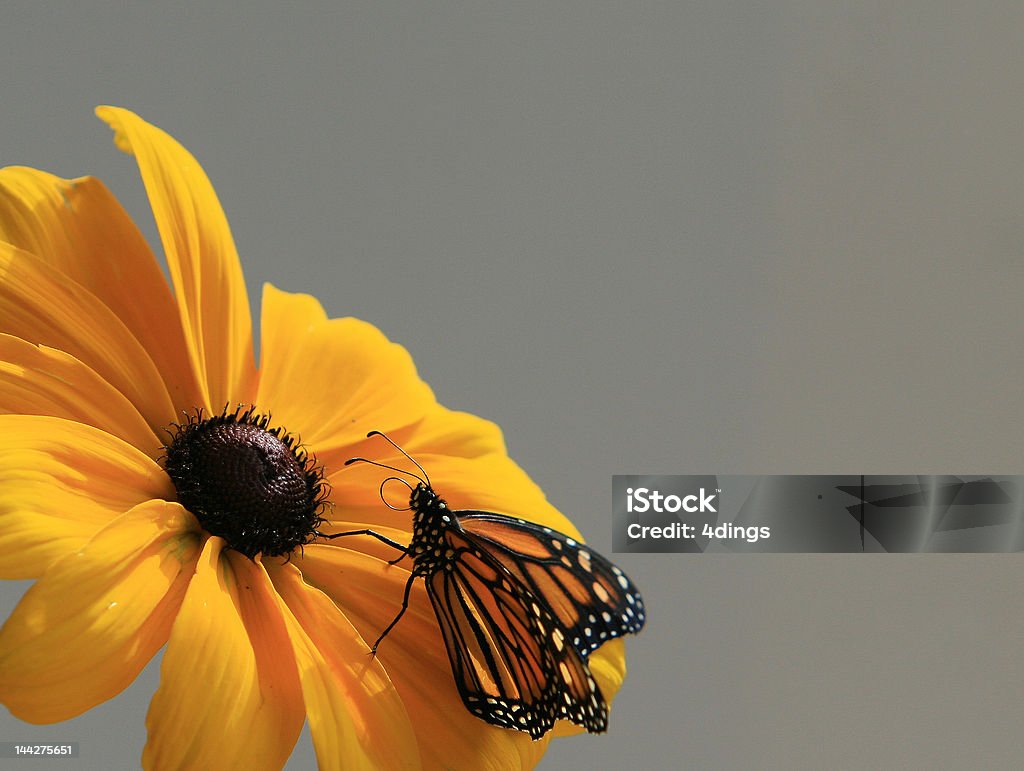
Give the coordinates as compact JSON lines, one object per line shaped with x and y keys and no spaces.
{"x":101,"y":366}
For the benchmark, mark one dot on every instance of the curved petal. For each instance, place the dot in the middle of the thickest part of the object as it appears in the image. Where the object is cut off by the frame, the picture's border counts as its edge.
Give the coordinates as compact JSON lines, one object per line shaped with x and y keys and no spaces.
{"x":355,"y":715}
{"x":79,"y":228}
{"x":441,"y":435}
{"x":333,"y":380}
{"x":229,"y":693}
{"x":495,"y":484}
{"x":201,"y":256}
{"x":458,"y":434}
{"x":486,"y":483}
{"x":440,"y":431}
{"x":36,"y":380}
{"x":43,"y":306}
{"x":86,"y":629}
{"x":60,"y":482}
{"x":413,"y":654}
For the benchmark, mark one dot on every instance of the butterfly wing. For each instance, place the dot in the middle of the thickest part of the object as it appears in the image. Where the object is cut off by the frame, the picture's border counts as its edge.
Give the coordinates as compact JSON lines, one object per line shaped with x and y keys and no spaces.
{"x":593,"y":600}
{"x":511,"y":661}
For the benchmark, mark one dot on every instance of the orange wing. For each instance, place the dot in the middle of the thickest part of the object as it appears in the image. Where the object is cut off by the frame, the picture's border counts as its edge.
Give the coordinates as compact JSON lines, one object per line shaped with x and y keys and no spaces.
{"x":512,"y":663}
{"x":592,"y":599}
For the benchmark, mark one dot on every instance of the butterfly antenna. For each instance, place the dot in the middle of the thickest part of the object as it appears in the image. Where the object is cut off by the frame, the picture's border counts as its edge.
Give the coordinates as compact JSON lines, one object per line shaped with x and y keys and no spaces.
{"x":390,"y":468}
{"x":407,"y":455}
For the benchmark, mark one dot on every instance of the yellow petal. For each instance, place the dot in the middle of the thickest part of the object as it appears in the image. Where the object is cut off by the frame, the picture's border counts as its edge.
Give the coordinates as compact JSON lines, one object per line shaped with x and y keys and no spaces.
{"x":355,"y":715}
{"x":496,"y":484}
{"x":487,"y":483}
{"x":60,"y":482}
{"x":441,"y":435}
{"x":463,"y":455}
{"x":42,"y":306}
{"x":79,"y":228}
{"x":413,"y":654}
{"x":229,"y":693}
{"x":331,"y":381}
{"x":36,"y":380}
{"x":440,"y":431}
{"x":447,"y":432}
{"x":201,"y":256}
{"x":89,"y":625}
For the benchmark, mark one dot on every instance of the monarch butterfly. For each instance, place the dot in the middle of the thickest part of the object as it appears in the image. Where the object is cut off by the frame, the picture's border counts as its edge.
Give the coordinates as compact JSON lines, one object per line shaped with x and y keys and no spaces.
{"x":520,"y":607}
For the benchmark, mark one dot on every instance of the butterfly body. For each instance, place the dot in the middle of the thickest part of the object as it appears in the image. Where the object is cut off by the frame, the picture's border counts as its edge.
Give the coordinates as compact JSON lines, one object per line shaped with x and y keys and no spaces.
{"x":431,"y":520}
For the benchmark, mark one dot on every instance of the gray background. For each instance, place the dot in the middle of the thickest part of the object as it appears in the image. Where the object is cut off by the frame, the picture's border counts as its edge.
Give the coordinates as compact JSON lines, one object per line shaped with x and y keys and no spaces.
{"x":650,"y":238}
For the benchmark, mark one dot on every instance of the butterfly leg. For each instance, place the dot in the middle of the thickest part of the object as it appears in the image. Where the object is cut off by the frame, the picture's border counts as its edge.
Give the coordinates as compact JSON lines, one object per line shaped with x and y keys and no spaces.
{"x":405,"y":607}
{"x":373,"y":533}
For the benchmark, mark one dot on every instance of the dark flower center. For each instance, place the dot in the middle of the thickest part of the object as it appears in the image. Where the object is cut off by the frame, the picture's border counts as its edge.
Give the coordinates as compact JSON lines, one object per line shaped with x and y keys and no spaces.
{"x":247,"y":482}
